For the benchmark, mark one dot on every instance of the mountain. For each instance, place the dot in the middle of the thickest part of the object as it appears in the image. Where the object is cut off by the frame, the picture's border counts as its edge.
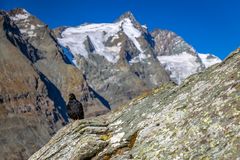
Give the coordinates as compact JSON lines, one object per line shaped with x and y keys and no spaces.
{"x":107,"y":53}
{"x":209,"y":59}
{"x":53,"y":64}
{"x":105,"y":65}
{"x":116,"y":58}
{"x":198,"y":119}
{"x":35,"y":82}
{"x":178,"y":57}
{"x":28,"y":117}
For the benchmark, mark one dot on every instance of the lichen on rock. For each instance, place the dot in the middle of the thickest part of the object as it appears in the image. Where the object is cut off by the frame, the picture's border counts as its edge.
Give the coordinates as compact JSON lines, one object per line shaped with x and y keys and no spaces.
{"x":198,"y":119}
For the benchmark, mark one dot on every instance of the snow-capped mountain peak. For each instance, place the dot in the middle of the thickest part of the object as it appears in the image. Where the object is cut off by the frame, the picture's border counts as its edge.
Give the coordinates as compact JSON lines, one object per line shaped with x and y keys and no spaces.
{"x":127,"y":40}
{"x":19,"y":14}
{"x":127,"y":15}
{"x":99,"y":35}
{"x":29,"y":24}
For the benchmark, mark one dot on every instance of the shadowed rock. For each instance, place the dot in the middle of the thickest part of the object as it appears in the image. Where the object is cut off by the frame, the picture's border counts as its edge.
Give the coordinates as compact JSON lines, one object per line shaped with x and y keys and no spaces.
{"x":28,"y":118}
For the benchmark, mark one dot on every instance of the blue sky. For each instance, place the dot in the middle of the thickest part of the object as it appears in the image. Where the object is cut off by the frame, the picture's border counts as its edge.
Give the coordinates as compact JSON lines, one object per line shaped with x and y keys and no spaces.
{"x":210,"y":26}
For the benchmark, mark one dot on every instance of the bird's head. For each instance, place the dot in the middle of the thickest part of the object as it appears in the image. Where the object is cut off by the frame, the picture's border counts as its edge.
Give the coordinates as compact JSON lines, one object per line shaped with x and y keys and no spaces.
{"x":71,"y":96}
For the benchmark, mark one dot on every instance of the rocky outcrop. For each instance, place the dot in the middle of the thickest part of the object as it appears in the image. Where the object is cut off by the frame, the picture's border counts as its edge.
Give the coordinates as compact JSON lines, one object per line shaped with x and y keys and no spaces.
{"x":198,"y":119}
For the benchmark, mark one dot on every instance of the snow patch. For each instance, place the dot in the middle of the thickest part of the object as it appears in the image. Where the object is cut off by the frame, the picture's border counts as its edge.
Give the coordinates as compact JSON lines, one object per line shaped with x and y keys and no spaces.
{"x":28,"y":28}
{"x":209,"y":59}
{"x":119,"y":44}
{"x":115,"y":37}
{"x":138,"y":58}
{"x":144,"y":26}
{"x":18,"y":17}
{"x":32,"y":27}
{"x":39,"y":25}
{"x":180,"y":66}
{"x":131,"y":32}
{"x":31,"y":34}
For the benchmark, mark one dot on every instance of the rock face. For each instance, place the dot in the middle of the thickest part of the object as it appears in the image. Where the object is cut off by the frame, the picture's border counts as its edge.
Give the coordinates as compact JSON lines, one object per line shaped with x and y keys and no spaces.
{"x":28,"y":117}
{"x":63,"y":77}
{"x":178,"y":57}
{"x":198,"y":119}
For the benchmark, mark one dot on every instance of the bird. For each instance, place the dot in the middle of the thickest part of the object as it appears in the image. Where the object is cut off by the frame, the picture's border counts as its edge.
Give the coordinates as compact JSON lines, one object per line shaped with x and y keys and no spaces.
{"x":74,"y":108}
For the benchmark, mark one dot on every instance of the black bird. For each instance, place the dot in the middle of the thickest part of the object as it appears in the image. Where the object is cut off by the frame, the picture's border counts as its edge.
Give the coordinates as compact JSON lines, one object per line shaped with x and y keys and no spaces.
{"x":74,"y":108}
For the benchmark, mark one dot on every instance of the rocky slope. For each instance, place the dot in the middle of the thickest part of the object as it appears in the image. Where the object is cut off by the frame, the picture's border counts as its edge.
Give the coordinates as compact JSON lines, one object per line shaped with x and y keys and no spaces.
{"x":198,"y":119}
{"x":107,"y":53}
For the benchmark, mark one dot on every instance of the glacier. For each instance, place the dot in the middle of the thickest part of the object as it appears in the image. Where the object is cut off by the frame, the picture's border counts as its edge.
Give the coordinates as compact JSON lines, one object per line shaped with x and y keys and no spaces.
{"x":74,"y":37}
